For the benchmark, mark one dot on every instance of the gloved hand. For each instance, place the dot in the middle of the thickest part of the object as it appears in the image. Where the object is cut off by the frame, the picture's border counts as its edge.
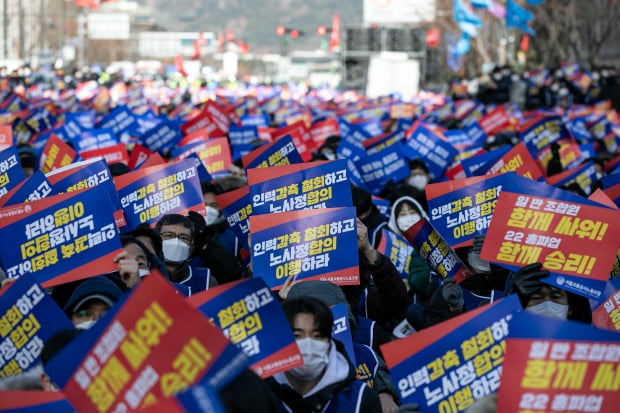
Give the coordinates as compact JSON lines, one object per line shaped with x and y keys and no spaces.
{"x":200,"y":230}
{"x":526,"y":280}
{"x":409,"y":408}
{"x":478,"y":241}
{"x":452,"y":294}
{"x":473,"y":257}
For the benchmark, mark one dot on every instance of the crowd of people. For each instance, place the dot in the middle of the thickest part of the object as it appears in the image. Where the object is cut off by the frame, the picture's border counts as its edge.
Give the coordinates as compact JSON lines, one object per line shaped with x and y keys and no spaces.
{"x":196,"y":252}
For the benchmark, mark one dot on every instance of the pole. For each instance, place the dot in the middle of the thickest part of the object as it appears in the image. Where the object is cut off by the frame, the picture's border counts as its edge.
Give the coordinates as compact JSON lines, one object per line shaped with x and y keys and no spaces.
{"x":20,"y":29}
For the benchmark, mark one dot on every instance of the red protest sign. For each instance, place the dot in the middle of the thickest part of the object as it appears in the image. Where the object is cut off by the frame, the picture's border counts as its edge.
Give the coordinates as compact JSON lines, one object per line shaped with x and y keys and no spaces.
{"x":155,"y":346}
{"x":567,"y":238}
{"x":6,"y":137}
{"x":56,"y":154}
{"x":518,"y":160}
{"x":301,"y":138}
{"x":494,"y":122}
{"x":112,"y":154}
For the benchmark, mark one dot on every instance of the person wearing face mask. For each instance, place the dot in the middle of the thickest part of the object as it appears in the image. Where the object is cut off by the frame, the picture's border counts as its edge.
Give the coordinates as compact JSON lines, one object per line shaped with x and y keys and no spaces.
{"x":91,"y":299}
{"x":544,"y":299}
{"x":177,"y":234}
{"x":405,"y":213}
{"x":326,"y":381}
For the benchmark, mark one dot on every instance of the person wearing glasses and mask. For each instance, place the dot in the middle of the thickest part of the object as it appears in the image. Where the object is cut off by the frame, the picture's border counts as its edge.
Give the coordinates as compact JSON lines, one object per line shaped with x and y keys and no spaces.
{"x":177,"y":235}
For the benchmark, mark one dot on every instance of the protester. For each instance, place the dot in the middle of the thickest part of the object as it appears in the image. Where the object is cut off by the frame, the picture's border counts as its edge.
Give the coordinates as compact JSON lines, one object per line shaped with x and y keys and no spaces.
{"x":326,"y":382}
{"x":177,"y":234}
{"x":91,"y":299}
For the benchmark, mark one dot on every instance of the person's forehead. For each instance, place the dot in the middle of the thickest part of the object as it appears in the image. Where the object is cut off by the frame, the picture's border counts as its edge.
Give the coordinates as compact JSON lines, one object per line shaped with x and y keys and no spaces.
{"x":134,"y":251}
{"x":176,"y":228}
{"x":304,"y":321}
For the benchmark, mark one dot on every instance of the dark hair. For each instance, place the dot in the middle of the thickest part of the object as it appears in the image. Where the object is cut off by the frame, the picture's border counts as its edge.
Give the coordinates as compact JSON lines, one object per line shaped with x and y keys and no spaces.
{"x":174,"y":219}
{"x":208,"y":186}
{"x":413,"y":206}
{"x":127,"y":239}
{"x":418,"y":163}
{"x":323,"y":317}
{"x":144,"y":230}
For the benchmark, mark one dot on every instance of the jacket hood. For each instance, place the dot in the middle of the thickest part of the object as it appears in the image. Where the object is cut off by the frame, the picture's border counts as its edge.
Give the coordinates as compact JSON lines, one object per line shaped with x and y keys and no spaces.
{"x":392,"y":222}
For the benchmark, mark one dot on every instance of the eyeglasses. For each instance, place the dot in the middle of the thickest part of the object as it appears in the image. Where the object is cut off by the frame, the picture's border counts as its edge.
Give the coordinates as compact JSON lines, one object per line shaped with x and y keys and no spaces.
{"x":170,"y":235}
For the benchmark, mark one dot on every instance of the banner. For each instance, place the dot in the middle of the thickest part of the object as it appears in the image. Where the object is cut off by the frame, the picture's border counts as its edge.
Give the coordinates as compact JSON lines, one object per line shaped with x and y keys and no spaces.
{"x":305,"y":245}
{"x":436,"y":252}
{"x":151,"y":346}
{"x":448,"y":366}
{"x":251,"y":317}
{"x":556,"y":365}
{"x":60,"y":238}
{"x":11,"y":172}
{"x":310,"y":185}
{"x":150,"y":193}
{"x":577,"y":243}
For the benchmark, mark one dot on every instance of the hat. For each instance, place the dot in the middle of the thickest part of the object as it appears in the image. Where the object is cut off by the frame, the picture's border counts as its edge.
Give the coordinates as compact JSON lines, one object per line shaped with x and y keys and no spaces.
{"x":99,"y":287}
{"x":326,"y":291}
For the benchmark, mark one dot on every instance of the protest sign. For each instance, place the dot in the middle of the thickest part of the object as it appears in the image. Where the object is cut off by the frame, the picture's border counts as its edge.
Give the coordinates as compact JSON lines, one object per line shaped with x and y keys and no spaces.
{"x":298,"y":131}
{"x":606,"y":310}
{"x":305,"y":245}
{"x":88,"y":174}
{"x":214,"y":154}
{"x":542,"y":131}
{"x":557,"y":365}
{"x":32,"y":188}
{"x":11,"y":172}
{"x":28,"y":317}
{"x":583,"y":175}
{"x":60,"y":238}
{"x":28,"y":401}
{"x":278,"y":153}
{"x":577,"y":243}
{"x":436,"y":252}
{"x":341,"y":331}
{"x":94,"y":139}
{"x":236,"y":206}
{"x":387,"y":165}
{"x":163,"y":136}
{"x":112,"y":154}
{"x":322,"y":130}
{"x":55,"y":154}
{"x":151,"y":345}
{"x":301,"y":186}
{"x":397,"y":249}
{"x":517,"y":160}
{"x":250,"y":316}
{"x":448,"y":366}
{"x":422,"y":142}
{"x":150,"y":193}
{"x":6,"y":137}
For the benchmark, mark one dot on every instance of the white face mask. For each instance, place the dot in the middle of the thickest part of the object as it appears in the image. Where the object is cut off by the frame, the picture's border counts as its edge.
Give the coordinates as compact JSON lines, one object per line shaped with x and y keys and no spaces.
{"x":418,"y":181}
{"x":175,"y":250}
{"x":143,"y":272}
{"x":315,"y":357}
{"x":212,"y":215}
{"x":407,"y":221}
{"x":86,"y":324}
{"x":549,"y":309}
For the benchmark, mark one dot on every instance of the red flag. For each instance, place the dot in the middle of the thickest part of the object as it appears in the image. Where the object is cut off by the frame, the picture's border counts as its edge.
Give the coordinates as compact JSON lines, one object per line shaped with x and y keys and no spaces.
{"x":230,"y":37}
{"x":178,"y":63}
{"x":198,"y":43}
{"x":433,"y":37}
{"x":525,"y":43}
{"x":334,"y":39}
{"x":243,"y":47}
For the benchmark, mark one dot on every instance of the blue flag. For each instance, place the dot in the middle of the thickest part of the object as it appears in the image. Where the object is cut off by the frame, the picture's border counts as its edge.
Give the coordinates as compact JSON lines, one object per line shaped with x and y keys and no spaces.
{"x":518,"y":17}
{"x":464,"y":14}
